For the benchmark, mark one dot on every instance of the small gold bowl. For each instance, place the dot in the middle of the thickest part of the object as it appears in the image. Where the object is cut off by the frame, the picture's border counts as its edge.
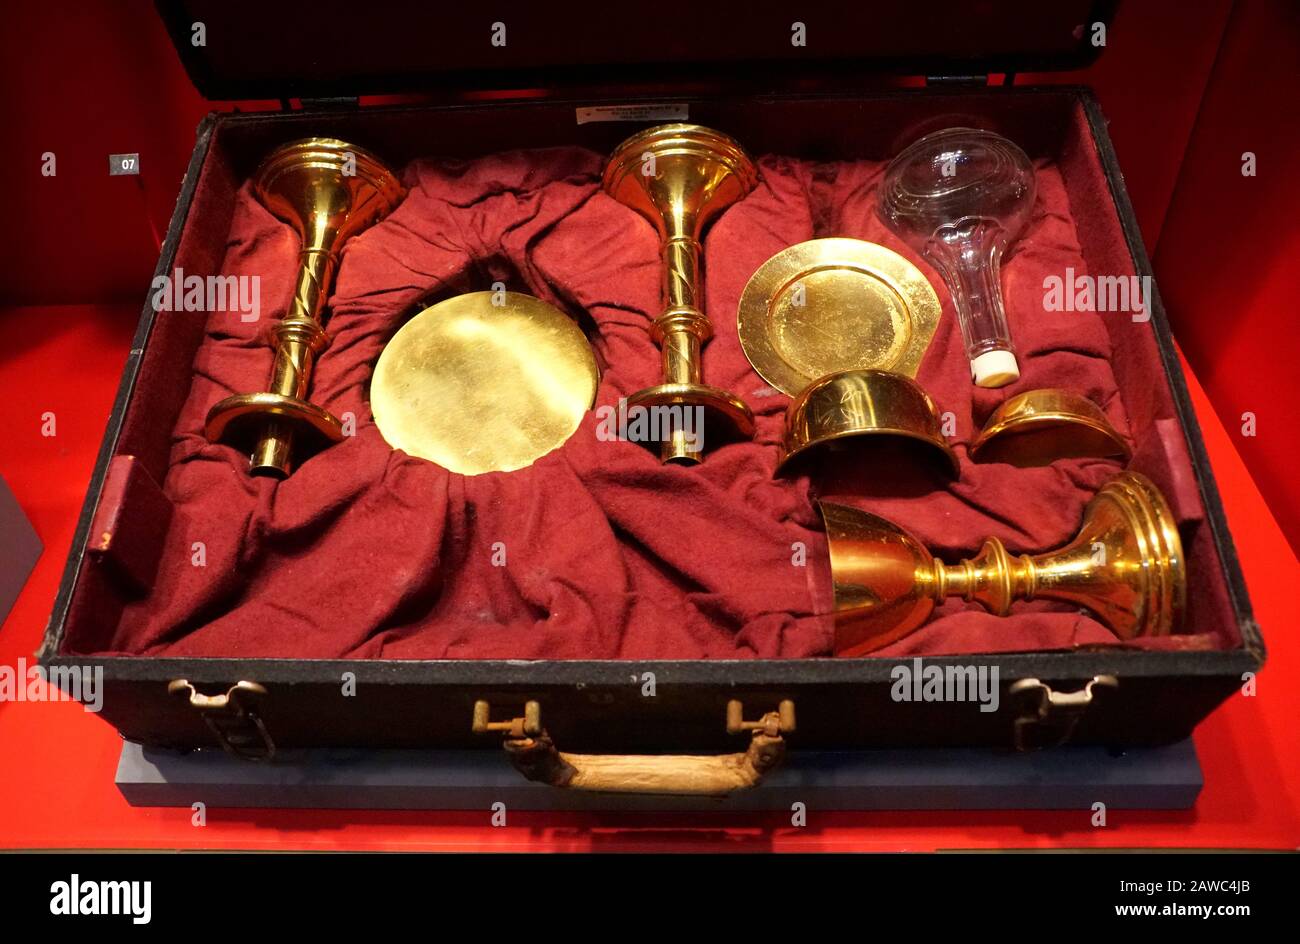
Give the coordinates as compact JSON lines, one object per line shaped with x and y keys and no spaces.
{"x":1037,"y":427}
{"x":859,"y":403}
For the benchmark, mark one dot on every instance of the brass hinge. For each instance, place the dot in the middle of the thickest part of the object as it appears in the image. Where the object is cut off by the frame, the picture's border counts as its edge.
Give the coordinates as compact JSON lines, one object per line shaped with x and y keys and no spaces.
{"x":232,"y":717}
{"x":1048,"y":718}
{"x":530,"y":725}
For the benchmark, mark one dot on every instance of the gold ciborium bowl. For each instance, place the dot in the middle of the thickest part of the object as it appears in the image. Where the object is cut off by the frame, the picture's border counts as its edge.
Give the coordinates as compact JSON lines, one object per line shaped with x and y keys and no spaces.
{"x":858,"y":405}
{"x":1038,"y":427}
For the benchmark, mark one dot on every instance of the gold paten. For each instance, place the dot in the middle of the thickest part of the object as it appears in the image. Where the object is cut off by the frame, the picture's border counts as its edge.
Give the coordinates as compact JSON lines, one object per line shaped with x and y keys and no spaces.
{"x":828,"y":305}
{"x":680,"y":177}
{"x":484,"y":382}
{"x":1039,"y":426}
{"x":328,"y":191}
{"x":1125,"y":566}
{"x":862,"y":403}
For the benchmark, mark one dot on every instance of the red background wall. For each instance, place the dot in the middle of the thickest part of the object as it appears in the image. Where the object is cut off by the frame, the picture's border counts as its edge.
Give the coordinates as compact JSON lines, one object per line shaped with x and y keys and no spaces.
{"x":1228,"y":254}
{"x":1187,"y":87}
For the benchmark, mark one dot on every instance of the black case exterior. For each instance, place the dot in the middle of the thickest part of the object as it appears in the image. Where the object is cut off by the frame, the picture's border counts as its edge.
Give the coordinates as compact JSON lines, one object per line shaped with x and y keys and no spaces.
{"x":602,"y":705}
{"x":322,"y":49}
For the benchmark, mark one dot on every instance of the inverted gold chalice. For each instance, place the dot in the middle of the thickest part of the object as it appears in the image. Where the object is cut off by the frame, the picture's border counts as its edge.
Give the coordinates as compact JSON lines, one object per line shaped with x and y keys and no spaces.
{"x":328,"y":191}
{"x":863,"y":405}
{"x":680,"y":177}
{"x":841,"y":325}
{"x":1125,"y":566}
{"x":1038,"y":427}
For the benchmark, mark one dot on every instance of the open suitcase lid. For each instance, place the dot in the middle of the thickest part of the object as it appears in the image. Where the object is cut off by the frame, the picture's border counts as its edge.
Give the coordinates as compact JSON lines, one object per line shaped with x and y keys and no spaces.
{"x":251,"y":49}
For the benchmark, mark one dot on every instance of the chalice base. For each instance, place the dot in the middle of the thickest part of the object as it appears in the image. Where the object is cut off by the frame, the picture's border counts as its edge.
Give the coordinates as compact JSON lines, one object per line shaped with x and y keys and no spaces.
{"x":726,"y":417}
{"x":270,"y":426}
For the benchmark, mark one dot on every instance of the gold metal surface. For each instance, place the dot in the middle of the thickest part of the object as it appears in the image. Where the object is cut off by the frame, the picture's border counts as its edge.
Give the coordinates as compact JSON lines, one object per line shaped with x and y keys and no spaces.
{"x":484,"y":382}
{"x":1125,"y":566}
{"x":859,"y":403}
{"x":680,"y":177}
{"x":1039,"y":426}
{"x":828,"y":305}
{"x":328,"y":191}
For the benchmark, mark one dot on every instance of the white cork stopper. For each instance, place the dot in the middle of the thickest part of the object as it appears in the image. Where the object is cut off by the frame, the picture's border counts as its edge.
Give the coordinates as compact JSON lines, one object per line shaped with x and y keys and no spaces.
{"x":995,"y":369}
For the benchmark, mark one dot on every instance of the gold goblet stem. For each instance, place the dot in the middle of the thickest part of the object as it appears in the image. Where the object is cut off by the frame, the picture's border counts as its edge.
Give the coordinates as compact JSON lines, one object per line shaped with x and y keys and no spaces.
{"x":681,"y":330}
{"x":300,"y":336}
{"x":993,"y":579}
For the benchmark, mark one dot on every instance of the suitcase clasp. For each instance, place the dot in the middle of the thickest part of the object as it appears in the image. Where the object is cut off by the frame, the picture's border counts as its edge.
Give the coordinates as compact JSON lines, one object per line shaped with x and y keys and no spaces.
{"x":1049,"y":717}
{"x":237,"y":726}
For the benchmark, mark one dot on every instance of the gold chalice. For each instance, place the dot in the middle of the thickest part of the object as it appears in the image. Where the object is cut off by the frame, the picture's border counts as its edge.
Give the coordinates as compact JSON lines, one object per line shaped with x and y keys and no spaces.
{"x":328,"y":191}
{"x":680,"y":177}
{"x":1125,"y":566}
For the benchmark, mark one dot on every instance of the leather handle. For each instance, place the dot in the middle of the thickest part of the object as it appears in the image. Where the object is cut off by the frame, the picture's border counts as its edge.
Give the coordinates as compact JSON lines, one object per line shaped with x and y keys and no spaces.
{"x":535,"y":755}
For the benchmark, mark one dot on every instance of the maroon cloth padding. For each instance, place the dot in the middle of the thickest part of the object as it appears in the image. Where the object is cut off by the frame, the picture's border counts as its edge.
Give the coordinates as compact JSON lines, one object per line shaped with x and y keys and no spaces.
{"x":126,"y":535}
{"x":365,"y":552}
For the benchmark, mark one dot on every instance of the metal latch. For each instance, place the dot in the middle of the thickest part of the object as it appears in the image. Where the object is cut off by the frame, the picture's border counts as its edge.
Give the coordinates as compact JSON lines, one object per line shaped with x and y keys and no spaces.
{"x":1048,"y":718}
{"x":231,"y":717}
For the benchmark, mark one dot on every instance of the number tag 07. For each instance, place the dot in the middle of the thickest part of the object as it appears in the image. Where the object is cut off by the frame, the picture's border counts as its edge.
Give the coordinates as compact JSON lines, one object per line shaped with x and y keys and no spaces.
{"x":120,"y":164}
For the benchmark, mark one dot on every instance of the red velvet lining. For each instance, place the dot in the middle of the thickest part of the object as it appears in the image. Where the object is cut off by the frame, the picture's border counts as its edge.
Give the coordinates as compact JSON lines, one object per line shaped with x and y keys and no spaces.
{"x":367,"y":553}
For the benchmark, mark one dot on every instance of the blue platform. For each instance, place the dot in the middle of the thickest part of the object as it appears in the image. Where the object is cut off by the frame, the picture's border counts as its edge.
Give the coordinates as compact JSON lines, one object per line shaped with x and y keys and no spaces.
{"x":1164,"y":778}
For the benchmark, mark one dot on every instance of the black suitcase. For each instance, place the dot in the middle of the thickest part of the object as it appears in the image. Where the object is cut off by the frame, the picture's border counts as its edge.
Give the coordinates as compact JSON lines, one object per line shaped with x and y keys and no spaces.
{"x":1107,"y":694}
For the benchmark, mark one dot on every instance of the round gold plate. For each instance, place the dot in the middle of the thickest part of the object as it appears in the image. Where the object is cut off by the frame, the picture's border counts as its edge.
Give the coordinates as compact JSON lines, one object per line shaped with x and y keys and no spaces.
{"x":828,"y":305}
{"x":481,"y":387}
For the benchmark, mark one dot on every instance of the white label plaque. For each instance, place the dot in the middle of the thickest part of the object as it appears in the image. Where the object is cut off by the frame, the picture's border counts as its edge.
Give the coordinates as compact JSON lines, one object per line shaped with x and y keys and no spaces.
{"x":659,"y":112}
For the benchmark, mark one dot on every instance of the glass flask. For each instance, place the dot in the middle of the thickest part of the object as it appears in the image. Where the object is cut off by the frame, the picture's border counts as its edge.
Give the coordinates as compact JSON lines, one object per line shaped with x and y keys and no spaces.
{"x":960,"y":196}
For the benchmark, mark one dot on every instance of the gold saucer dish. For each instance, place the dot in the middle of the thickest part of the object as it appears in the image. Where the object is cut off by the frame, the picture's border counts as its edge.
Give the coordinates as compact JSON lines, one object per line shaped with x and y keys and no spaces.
{"x":829,"y":305}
